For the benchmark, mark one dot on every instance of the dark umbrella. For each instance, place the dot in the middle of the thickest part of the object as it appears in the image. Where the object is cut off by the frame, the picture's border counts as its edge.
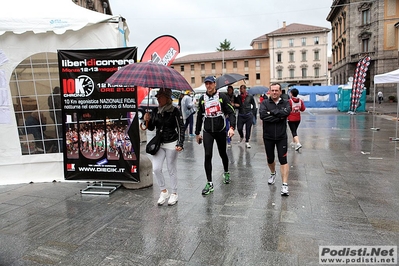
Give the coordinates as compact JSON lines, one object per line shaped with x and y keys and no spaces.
{"x":228,"y":79}
{"x":257,"y":90}
{"x":149,"y":75}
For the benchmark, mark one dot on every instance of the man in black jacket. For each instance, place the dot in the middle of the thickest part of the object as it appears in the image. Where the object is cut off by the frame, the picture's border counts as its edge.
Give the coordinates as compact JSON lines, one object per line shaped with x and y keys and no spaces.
{"x":212,"y":108}
{"x":274,"y":112}
{"x":245,"y":115}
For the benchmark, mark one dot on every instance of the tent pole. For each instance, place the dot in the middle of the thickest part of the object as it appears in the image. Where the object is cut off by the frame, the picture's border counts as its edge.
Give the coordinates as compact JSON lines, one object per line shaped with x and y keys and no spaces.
{"x":374,"y":128}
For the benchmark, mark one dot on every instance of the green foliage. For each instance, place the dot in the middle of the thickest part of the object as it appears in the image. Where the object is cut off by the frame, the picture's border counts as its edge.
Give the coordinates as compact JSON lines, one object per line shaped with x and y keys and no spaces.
{"x":225,"y":46}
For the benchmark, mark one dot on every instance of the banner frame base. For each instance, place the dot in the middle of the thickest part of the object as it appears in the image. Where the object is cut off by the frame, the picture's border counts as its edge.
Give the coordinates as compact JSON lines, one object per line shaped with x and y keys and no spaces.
{"x":102,"y":188}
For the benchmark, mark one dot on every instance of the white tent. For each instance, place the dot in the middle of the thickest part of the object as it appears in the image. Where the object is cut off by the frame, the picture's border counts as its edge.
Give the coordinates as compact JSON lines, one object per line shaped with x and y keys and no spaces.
{"x":30,"y":27}
{"x":389,"y":77}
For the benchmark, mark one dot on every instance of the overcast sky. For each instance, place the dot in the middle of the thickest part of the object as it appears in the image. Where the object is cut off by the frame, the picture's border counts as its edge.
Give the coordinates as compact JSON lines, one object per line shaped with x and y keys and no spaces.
{"x":200,"y":26}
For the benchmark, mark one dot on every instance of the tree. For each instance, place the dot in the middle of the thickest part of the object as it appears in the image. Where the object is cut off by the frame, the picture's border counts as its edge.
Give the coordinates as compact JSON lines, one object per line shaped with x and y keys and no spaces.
{"x":225,"y":46}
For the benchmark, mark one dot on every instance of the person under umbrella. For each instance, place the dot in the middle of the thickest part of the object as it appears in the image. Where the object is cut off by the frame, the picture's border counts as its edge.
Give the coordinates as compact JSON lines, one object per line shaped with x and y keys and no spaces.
{"x":167,"y":118}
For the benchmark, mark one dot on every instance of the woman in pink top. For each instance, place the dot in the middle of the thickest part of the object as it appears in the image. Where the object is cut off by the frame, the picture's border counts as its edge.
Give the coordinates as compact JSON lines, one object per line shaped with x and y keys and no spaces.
{"x":297,"y":106}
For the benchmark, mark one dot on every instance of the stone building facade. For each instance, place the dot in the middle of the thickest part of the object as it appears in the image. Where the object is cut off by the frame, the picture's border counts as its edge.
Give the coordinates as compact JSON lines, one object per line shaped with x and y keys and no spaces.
{"x":361,"y":28}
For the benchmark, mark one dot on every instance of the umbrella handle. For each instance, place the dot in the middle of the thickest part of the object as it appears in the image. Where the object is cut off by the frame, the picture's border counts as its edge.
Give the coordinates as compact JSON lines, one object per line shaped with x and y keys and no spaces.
{"x":144,"y":127}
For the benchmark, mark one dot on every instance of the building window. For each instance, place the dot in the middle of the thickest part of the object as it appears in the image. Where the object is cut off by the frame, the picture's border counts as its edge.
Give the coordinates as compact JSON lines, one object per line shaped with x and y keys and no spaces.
{"x":259,"y":45}
{"x":279,"y":58}
{"x":224,"y":65}
{"x":291,"y":42}
{"x":316,"y":55}
{"x":257,"y":63}
{"x":182,"y":68}
{"x":292,"y":73}
{"x":257,"y":76}
{"x":279,"y":74}
{"x":246,"y":63}
{"x":292,"y":57}
{"x":365,"y":45}
{"x":213,"y":66}
{"x":202,"y":66}
{"x":366,"y":16}
{"x":304,"y":72}
{"x":247,"y":76}
{"x":303,"y":41}
{"x":235,"y":64}
{"x":316,"y":40}
{"x":303,"y":56}
{"x":192,"y":67}
{"x":278,"y":43}
{"x":316,"y":72}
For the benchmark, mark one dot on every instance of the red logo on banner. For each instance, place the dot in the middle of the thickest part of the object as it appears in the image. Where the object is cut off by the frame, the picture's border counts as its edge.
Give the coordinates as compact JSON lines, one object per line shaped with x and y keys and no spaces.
{"x":163,"y":50}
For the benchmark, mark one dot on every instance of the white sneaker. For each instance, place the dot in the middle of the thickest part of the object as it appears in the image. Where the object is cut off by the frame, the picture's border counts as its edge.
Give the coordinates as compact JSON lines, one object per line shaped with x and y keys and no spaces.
{"x":173,"y":199}
{"x":228,"y":145}
{"x":292,"y":144}
{"x":284,"y":190}
{"x":272,"y":179}
{"x":298,"y":146}
{"x":163,"y":197}
{"x":240,"y":140}
{"x":248,"y":145}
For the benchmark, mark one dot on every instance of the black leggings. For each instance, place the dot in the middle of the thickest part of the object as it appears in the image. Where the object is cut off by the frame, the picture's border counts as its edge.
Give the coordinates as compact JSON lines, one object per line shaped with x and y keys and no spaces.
{"x":208,"y":139}
{"x":294,"y":127}
{"x":281,"y":150}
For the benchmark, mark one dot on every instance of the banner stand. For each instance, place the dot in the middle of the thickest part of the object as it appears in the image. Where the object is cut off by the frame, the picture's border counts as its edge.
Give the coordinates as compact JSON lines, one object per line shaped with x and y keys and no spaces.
{"x":101,"y":188}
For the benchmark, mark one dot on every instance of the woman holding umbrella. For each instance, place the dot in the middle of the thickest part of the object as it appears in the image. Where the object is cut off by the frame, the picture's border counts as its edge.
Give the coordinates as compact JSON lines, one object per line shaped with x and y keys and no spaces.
{"x":168,"y":120}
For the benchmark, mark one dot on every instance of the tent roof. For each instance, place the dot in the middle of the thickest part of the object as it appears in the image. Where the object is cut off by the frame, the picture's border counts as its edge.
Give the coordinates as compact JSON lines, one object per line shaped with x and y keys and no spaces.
{"x":390,"y":77}
{"x":41,"y":16}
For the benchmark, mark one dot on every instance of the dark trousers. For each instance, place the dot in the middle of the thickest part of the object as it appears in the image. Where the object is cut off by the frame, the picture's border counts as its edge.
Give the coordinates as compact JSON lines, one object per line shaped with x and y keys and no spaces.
{"x":246,"y":120}
{"x":208,"y":139}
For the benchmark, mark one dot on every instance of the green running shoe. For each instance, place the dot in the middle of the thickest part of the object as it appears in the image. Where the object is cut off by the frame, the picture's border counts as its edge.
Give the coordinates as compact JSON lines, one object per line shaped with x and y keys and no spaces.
{"x":226,"y":178}
{"x":208,"y":189}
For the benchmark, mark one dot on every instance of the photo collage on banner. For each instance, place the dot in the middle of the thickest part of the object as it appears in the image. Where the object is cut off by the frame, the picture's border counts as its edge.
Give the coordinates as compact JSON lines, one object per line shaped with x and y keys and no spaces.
{"x":102,"y":141}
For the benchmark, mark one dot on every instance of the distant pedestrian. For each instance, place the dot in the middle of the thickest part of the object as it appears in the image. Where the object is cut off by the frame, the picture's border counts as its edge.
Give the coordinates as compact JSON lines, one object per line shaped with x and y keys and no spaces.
{"x":188,"y":111}
{"x":274,"y":112}
{"x":212,"y":109}
{"x":294,"y":119}
{"x":234,"y":102}
{"x":380,"y":97}
{"x":245,"y":115}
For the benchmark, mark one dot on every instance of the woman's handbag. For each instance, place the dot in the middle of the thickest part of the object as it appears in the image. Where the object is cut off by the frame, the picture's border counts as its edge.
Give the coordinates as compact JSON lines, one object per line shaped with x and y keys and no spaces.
{"x":154,"y":144}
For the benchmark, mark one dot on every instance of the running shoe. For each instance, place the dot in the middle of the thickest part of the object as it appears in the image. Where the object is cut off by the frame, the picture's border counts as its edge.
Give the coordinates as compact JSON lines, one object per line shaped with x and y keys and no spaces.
{"x":248,"y":145}
{"x":173,"y":199}
{"x":240,"y":140}
{"x":208,"y":189}
{"x":298,"y":146}
{"x":272,"y":179}
{"x":226,"y":178}
{"x":163,"y":197}
{"x":284,"y":190}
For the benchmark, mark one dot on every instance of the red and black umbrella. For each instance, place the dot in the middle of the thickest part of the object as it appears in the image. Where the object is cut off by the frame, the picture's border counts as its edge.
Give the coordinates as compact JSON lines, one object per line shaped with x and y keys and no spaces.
{"x":149,"y":75}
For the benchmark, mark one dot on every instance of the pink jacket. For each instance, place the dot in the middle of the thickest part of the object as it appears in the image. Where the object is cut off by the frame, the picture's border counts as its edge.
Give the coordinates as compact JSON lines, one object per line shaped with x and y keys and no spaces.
{"x":297,"y":106}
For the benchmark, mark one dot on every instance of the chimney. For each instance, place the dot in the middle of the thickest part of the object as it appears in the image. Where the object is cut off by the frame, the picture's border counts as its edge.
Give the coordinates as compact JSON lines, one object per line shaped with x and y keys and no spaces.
{"x":284,"y":24}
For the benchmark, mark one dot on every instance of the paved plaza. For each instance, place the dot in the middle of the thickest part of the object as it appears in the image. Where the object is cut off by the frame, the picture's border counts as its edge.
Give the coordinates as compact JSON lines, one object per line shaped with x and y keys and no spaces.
{"x":344,"y":190}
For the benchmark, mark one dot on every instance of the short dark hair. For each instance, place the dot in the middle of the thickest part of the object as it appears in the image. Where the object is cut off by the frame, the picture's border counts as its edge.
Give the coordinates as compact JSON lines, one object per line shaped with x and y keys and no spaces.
{"x":243,"y":86}
{"x":230,"y":87}
{"x":294,"y":92}
{"x":276,"y":83}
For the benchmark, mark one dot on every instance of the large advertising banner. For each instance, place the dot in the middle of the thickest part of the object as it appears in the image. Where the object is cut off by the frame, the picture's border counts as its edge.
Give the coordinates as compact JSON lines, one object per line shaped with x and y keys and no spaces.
{"x":100,"y":125}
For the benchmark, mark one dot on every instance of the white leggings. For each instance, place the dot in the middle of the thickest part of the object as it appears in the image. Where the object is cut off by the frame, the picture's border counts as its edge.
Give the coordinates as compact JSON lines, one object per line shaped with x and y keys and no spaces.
{"x":171,"y":163}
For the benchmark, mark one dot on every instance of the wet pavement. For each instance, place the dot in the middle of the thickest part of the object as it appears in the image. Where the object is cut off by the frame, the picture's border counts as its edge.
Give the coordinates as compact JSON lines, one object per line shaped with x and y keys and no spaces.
{"x":344,"y":190}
